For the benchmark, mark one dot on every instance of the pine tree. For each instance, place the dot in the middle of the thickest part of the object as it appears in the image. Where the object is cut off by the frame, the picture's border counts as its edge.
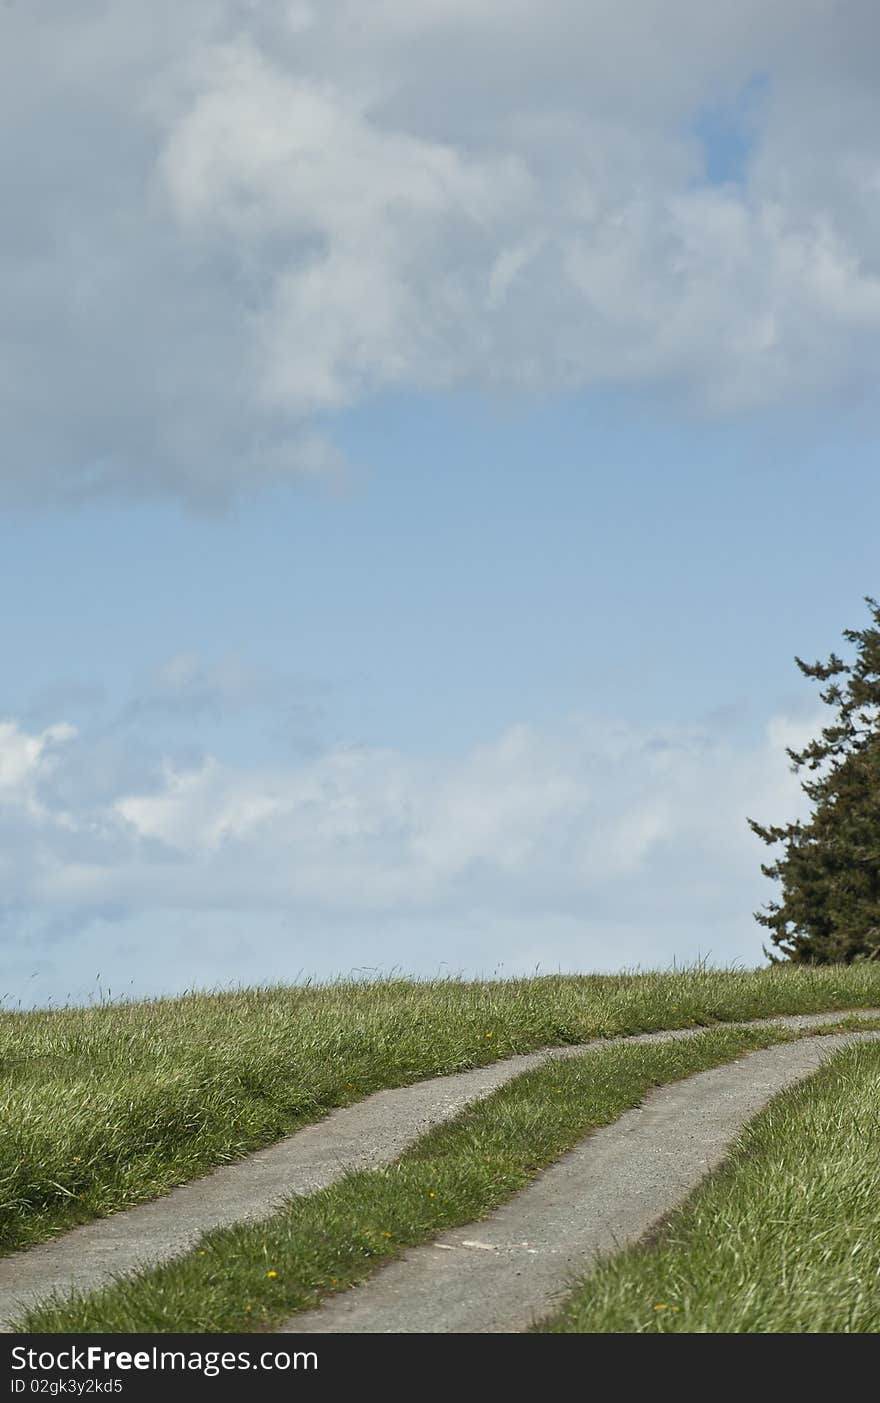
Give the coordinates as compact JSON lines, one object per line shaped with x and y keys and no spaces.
{"x":830,"y":865}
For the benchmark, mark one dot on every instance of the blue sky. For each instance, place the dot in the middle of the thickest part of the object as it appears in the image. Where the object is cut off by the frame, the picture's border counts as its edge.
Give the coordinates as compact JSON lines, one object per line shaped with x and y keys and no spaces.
{"x":426,"y":450}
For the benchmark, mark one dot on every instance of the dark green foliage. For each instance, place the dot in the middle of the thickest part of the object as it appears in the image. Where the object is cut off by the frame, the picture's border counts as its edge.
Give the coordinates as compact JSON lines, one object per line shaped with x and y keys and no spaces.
{"x":830,"y":865}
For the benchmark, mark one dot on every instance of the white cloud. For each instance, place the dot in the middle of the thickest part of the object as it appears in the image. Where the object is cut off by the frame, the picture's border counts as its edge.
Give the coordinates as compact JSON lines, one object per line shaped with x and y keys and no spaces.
{"x":592,"y":827}
{"x":23,"y":756}
{"x":418,"y":263}
{"x":225,"y":218}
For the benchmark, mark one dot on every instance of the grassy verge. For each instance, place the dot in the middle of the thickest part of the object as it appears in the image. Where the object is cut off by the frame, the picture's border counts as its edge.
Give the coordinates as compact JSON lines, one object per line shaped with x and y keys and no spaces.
{"x":250,"y":1276}
{"x":106,"y":1106}
{"x":785,"y":1238}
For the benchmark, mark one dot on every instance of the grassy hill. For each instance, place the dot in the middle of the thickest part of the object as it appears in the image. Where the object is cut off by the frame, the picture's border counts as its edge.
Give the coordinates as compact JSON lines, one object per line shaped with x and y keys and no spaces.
{"x":106,"y":1106}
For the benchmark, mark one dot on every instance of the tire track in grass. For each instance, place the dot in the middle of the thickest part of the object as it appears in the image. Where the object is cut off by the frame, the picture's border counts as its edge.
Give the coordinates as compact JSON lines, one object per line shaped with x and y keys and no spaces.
{"x":360,"y":1137}
{"x":503,"y":1274}
{"x":783,"y":1239}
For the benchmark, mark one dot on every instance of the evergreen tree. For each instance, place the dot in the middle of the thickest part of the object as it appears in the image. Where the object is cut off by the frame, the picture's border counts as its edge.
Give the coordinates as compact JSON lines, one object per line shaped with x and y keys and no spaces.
{"x":830,"y":865}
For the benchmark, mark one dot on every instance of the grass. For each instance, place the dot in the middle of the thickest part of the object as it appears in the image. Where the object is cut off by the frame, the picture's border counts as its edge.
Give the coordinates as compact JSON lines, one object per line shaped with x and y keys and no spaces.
{"x":783,"y":1239}
{"x":106,"y":1106}
{"x":251,"y":1276}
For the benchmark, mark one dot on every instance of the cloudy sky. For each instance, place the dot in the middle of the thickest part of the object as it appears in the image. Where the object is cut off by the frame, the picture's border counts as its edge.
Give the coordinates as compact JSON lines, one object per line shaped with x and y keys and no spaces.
{"x":429,"y":432}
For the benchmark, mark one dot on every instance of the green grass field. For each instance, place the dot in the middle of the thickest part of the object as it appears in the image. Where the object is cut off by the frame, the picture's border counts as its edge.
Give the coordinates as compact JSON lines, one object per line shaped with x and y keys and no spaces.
{"x":783,"y":1239}
{"x":106,"y":1106}
{"x":251,"y":1276}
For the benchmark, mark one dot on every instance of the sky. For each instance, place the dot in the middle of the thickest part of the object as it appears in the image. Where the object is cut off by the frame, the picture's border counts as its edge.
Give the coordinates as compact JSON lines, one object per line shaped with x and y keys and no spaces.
{"x":429,"y":434}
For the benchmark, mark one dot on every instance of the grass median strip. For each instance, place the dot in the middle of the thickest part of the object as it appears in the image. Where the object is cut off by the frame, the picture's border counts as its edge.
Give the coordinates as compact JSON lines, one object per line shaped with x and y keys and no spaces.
{"x":252,"y":1276}
{"x":104,"y":1107}
{"x":783,"y":1239}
